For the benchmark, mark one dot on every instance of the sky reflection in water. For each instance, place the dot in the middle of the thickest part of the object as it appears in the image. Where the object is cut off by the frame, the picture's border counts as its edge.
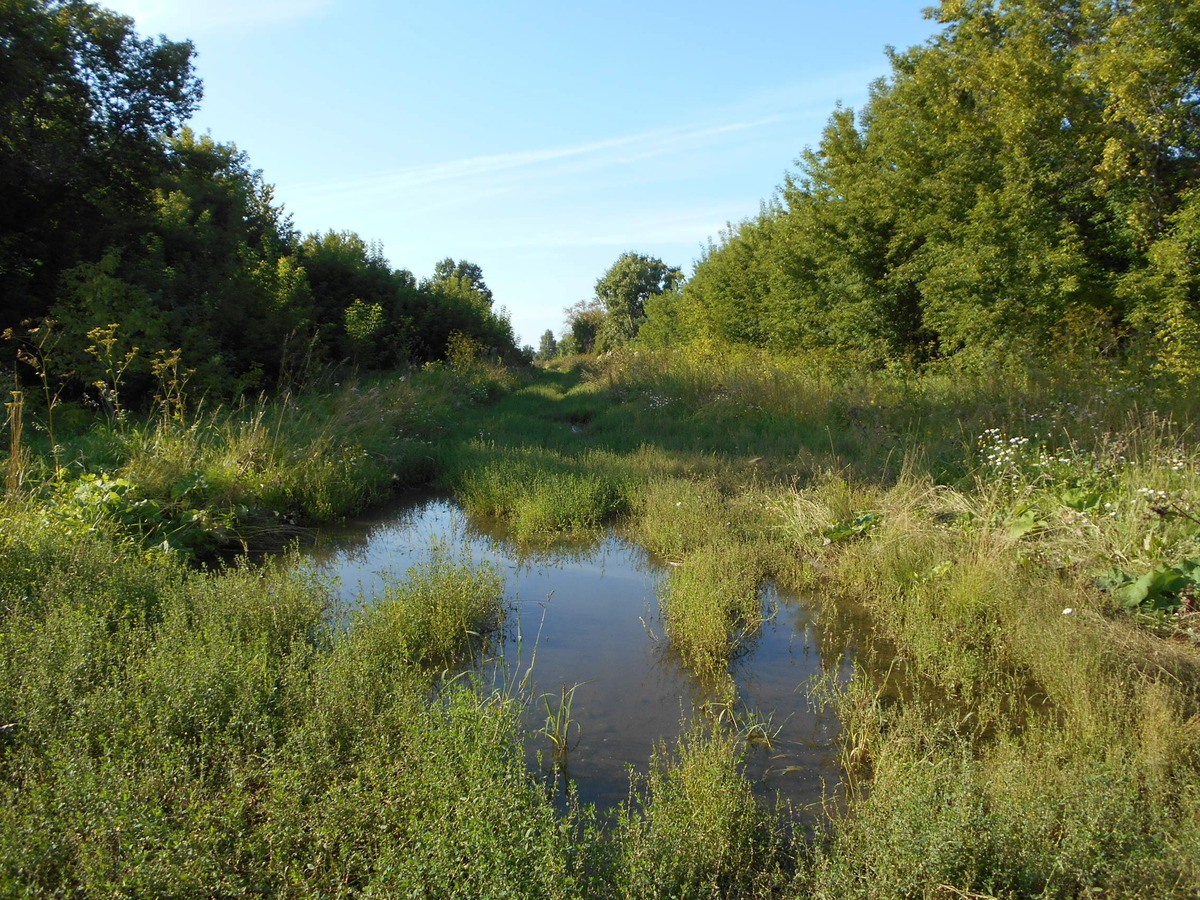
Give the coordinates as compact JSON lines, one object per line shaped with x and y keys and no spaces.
{"x":589,"y":611}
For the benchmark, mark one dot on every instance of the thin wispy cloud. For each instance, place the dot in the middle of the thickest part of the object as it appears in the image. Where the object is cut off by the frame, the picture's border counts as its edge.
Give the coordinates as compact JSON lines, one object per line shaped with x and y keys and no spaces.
{"x":189,"y":18}
{"x":525,"y":165}
{"x":680,"y":225}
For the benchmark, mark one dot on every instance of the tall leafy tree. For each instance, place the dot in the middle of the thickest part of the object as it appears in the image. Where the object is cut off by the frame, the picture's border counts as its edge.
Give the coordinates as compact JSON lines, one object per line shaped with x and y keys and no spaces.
{"x":623,"y":290}
{"x":584,"y":320}
{"x":1023,"y":176}
{"x":84,"y":105}
{"x":349,"y":273}
{"x":461,"y":278}
{"x":213,"y":273}
{"x":548,"y":346}
{"x":459,"y":301}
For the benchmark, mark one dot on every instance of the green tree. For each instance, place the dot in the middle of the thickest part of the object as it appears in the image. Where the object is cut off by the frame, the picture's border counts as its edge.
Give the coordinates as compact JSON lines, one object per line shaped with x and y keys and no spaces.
{"x":344,"y":268}
{"x":1141,"y":62}
{"x":212,"y":275}
{"x":84,"y":106}
{"x":1024,"y":173}
{"x":583,"y":323}
{"x":725,"y":298}
{"x":458,"y":300}
{"x":624,"y":289}
{"x":548,"y":346}
{"x":461,"y":278}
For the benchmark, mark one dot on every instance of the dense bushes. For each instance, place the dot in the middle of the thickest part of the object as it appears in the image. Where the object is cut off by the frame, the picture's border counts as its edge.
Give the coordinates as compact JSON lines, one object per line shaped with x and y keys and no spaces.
{"x":1022,"y":184}
{"x":119,"y":219}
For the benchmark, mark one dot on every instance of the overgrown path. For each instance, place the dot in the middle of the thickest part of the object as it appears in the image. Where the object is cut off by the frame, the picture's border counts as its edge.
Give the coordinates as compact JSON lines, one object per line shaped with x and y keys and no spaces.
{"x":1025,"y":550}
{"x":1025,"y":546}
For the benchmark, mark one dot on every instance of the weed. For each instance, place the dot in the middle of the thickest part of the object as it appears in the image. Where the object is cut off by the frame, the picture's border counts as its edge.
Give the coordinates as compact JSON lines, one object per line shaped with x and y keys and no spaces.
{"x":17,"y":451}
{"x":560,"y":728}
{"x":711,"y":606}
{"x":439,"y":613}
{"x":696,"y":830}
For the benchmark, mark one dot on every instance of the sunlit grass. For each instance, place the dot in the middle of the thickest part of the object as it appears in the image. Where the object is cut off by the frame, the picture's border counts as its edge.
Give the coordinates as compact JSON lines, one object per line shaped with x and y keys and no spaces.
{"x":437,"y":612}
{"x":710,"y":605}
{"x":1029,"y":730}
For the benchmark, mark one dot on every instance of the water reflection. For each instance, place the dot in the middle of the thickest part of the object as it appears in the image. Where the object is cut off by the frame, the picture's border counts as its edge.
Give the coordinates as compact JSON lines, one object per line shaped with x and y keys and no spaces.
{"x":585,"y":613}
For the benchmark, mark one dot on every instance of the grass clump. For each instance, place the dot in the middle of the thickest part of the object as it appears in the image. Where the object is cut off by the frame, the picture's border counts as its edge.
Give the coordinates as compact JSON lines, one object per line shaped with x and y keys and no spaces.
{"x":675,"y":517}
{"x":711,"y":606}
{"x":695,"y":829}
{"x":540,"y":498}
{"x":438,"y":612}
{"x":252,"y":477}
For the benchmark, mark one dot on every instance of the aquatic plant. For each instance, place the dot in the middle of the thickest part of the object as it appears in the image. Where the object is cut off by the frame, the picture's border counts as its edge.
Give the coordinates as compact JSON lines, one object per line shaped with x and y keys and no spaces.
{"x":438,"y":612}
{"x":693,"y":827}
{"x":710,"y":605}
{"x":562,"y":730}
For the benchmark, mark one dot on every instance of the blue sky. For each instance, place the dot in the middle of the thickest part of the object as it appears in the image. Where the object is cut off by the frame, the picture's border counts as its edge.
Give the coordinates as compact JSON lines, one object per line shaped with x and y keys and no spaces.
{"x":539,"y":140}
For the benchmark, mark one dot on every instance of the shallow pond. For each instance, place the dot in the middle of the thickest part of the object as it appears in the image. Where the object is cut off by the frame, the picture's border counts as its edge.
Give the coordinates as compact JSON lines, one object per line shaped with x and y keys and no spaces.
{"x":589,"y":613}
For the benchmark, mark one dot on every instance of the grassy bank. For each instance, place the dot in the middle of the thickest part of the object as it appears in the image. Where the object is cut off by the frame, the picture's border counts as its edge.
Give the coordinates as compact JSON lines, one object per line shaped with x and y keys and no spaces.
{"x":1022,"y":544}
{"x":1024,"y":721}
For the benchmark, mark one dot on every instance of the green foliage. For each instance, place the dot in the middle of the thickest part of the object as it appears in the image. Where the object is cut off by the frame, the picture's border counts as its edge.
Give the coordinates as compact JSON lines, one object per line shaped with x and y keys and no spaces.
{"x":208,"y":273}
{"x":560,"y":727}
{"x":183,"y":523}
{"x":364,"y":324}
{"x":851,"y":528}
{"x":118,"y":217}
{"x":624,"y":290}
{"x":1009,"y":190}
{"x":85,"y":106}
{"x":585,"y":320}
{"x":711,"y":606}
{"x":1161,"y":590}
{"x":540,"y":499}
{"x":463,"y":279}
{"x":1005,"y":820}
{"x":169,"y":732}
{"x":438,"y":612}
{"x":696,"y":829}
{"x":547,"y":346}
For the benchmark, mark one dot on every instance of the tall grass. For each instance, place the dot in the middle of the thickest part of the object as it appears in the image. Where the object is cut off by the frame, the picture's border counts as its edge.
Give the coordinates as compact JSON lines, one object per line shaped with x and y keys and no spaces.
{"x":540,"y":497}
{"x":1050,"y":740}
{"x":175,"y":733}
{"x":1023,"y":546}
{"x":695,"y":829}
{"x":711,"y":606}
{"x":441,"y":611}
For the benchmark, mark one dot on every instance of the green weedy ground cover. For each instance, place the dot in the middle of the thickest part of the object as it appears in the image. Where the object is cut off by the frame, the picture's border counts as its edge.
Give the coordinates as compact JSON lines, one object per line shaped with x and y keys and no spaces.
{"x":1024,"y":721}
{"x":1022,"y":545}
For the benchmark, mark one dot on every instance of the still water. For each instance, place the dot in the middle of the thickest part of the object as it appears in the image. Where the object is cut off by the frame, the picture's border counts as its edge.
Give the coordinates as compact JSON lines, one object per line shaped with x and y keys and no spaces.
{"x":586,"y":614}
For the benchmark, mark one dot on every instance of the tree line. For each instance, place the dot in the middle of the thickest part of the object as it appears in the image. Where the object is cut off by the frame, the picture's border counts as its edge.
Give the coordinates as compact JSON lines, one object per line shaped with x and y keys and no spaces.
{"x":116,"y":213}
{"x":1023,"y":182}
